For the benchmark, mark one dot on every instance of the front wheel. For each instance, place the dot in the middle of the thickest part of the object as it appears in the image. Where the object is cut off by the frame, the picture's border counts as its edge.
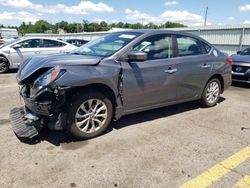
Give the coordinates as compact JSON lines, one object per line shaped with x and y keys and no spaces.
{"x":211,"y":93}
{"x":4,"y":65}
{"x":89,"y":115}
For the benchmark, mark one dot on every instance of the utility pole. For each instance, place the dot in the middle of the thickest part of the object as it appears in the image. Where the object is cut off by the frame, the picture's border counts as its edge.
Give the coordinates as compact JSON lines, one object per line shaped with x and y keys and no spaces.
{"x":142,"y":21}
{"x":77,"y":28}
{"x":205,"y":23}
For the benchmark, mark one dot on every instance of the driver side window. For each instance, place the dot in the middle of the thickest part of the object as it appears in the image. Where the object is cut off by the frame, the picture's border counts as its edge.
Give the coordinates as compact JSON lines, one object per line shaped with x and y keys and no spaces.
{"x":30,"y":43}
{"x":156,"y":47}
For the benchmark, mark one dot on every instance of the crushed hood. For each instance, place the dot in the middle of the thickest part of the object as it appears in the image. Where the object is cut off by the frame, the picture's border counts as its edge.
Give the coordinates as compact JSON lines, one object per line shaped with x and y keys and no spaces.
{"x":241,"y":58}
{"x":28,"y":67}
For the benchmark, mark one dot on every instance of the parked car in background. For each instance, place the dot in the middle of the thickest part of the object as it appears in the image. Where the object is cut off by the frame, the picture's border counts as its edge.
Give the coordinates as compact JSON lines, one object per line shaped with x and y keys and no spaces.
{"x":77,"y":42}
{"x":1,"y":42}
{"x":116,"y":75}
{"x":13,"y":53}
{"x":241,"y":66}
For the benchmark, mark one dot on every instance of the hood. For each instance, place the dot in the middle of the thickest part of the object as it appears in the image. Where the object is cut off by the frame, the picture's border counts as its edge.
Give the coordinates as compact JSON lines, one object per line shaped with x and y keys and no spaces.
{"x":30,"y":66}
{"x":241,"y":58}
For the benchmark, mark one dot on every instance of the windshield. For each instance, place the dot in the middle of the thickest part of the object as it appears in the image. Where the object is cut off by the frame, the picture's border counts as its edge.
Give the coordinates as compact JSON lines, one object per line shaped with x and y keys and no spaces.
{"x":107,"y":45}
{"x":245,"y":52}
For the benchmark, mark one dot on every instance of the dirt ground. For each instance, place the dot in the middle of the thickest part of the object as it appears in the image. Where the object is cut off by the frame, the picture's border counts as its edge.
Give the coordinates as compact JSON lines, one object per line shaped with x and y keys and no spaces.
{"x":167,"y":147}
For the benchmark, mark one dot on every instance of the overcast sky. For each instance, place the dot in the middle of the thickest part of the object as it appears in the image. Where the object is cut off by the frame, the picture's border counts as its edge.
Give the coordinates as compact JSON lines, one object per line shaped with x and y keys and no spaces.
{"x":188,"y":12}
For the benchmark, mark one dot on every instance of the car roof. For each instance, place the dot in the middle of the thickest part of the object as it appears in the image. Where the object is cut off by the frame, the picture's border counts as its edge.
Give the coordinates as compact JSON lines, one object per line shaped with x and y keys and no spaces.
{"x":157,"y":31}
{"x":40,"y":38}
{"x":149,"y":31}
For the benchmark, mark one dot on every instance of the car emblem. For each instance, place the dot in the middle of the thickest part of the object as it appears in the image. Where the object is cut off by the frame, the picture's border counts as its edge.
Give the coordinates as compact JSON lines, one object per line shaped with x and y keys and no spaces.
{"x":238,"y":69}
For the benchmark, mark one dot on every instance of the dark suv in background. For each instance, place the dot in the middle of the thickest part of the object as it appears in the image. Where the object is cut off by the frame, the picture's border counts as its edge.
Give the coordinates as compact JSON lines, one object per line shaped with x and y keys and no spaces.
{"x":116,"y":75}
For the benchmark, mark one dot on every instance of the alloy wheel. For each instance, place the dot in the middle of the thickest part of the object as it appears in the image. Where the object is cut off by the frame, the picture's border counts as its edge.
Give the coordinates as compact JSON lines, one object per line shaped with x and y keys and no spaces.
{"x":91,"y":115}
{"x":212,"y":93}
{"x":3,"y":66}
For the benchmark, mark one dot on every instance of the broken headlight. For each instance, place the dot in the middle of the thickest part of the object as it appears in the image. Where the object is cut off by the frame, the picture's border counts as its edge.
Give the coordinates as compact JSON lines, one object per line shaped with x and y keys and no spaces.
{"x":47,"y":78}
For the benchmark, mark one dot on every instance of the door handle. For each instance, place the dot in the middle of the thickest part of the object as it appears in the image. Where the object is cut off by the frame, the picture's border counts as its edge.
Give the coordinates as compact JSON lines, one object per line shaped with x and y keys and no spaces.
{"x":171,"y":71}
{"x":205,"y":66}
{"x":37,"y":52}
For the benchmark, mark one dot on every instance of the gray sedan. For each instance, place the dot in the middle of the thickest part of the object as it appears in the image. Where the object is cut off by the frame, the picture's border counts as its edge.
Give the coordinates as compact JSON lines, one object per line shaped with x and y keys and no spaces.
{"x":116,"y":75}
{"x":12,"y":54}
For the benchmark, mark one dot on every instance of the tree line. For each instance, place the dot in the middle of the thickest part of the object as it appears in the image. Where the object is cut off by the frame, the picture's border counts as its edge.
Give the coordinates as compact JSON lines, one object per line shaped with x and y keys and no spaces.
{"x":43,"y":26}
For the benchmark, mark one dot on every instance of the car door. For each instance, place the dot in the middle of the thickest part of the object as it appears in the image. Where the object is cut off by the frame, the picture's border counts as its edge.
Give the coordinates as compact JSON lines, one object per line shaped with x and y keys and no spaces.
{"x":194,"y":66}
{"x":151,"y":82}
{"x":26,"y":48}
{"x":50,"y":46}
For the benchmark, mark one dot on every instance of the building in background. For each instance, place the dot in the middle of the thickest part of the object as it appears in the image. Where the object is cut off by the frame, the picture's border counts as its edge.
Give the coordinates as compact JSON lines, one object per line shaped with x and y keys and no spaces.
{"x":7,"y":33}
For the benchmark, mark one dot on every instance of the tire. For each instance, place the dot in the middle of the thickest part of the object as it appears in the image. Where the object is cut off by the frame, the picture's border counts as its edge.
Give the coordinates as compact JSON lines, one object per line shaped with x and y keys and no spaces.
{"x":211,"y":93}
{"x":4,"y":65}
{"x":84,"y":124}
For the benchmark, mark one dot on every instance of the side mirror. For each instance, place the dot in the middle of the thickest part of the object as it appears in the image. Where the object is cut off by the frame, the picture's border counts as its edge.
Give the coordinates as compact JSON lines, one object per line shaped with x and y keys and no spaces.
{"x":238,"y":52}
{"x":16,"y":46}
{"x":137,"y":56}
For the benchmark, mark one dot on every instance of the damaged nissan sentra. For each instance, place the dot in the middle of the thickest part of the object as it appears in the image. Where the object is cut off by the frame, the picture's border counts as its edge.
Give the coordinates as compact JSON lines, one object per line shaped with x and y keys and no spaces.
{"x":115,"y":75}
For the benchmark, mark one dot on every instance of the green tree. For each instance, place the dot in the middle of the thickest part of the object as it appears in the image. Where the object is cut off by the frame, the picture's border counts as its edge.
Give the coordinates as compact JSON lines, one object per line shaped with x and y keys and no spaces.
{"x":42,"y":26}
{"x":62,"y":25}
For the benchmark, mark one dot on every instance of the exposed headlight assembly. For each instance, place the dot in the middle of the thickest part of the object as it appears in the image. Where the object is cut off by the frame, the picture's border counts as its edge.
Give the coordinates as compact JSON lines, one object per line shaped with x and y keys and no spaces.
{"x":47,"y":78}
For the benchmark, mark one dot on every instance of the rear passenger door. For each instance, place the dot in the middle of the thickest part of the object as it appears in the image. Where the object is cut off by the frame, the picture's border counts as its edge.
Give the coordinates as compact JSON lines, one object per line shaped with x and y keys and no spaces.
{"x":52,"y":47}
{"x":194,"y":66}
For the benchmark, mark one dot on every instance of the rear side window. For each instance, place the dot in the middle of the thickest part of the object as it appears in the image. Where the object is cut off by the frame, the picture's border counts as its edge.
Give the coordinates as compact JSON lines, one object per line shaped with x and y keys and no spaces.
{"x":156,"y":47}
{"x":188,"y":46}
{"x":206,"y":47}
{"x":52,"y":43}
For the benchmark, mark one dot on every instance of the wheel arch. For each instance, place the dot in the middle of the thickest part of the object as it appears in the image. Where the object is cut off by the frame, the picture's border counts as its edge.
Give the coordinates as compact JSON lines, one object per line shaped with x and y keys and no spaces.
{"x":100,"y":87}
{"x":1,"y":55}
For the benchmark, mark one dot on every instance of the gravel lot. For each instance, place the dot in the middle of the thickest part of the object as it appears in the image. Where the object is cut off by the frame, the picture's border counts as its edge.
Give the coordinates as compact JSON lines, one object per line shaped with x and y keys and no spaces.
{"x":160,"y":148}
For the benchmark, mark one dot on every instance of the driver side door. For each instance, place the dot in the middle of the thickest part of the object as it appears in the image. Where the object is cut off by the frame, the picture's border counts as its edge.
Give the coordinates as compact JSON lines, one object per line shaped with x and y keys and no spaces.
{"x":28,"y":48}
{"x":152,"y":82}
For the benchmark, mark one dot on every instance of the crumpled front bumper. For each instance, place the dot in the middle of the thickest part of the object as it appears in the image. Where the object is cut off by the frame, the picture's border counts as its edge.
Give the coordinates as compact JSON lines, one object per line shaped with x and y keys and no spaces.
{"x":40,"y":103}
{"x":20,"y":125}
{"x":45,"y":109}
{"x":42,"y":108}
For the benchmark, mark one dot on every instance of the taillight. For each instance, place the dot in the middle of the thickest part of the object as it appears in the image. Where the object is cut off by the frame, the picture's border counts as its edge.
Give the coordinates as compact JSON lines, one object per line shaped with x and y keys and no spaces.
{"x":230,"y":61}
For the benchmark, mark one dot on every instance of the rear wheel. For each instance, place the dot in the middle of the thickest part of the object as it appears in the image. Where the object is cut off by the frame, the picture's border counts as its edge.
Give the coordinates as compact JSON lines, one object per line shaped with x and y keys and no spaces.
{"x":89,"y":115}
{"x":4,"y":65}
{"x":211,"y":93}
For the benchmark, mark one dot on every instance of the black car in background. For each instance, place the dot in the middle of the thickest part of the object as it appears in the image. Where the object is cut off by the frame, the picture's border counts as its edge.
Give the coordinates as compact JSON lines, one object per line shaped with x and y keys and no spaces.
{"x":77,"y":42}
{"x":241,"y":66}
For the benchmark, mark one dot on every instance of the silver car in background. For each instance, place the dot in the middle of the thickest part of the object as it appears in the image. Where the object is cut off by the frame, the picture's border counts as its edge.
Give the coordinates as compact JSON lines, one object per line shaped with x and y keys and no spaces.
{"x":12,"y":54}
